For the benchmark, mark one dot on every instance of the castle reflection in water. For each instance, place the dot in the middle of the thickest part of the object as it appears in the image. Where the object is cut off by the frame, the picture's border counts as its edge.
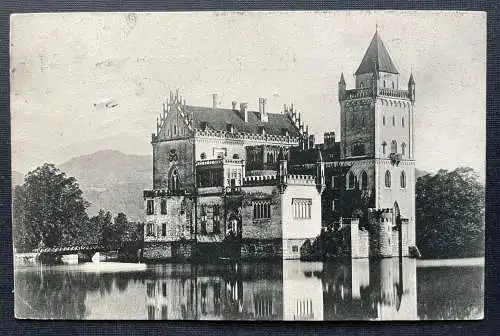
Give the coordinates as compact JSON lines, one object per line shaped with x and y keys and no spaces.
{"x":291,"y":290}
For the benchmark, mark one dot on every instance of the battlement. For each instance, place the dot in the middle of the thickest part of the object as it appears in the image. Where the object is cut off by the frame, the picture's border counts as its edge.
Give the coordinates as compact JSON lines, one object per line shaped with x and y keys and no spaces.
{"x":259,"y":180}
{"x":219,"y":162}
{"x":370,"y":92}
{"x":301,"y":179}
{"x":248,"y":136}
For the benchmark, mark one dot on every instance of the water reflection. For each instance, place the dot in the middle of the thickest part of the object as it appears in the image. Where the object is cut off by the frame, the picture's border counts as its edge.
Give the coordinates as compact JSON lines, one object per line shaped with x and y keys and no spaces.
{"x":292,"y":290}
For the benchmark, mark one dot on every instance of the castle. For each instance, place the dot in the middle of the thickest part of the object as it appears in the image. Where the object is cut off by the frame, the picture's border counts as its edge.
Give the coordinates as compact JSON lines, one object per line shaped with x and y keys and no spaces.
{"x":231,"y":182}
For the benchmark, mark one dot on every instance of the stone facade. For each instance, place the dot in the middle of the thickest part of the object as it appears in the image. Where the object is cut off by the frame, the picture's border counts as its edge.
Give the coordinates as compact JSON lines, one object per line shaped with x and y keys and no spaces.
{"x":221,"y":175}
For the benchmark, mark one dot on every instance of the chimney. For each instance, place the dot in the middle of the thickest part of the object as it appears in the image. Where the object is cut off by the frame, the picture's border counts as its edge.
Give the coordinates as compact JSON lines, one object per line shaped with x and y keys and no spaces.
{"x":234,"y":103}
{"x":244,"y":111}
{"x":262,"y":110}
{"x":214,"y":101}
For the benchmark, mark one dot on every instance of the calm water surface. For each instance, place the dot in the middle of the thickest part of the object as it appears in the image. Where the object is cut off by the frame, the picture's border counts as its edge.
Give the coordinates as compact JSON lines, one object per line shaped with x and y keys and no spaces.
{"x":291,"y":290}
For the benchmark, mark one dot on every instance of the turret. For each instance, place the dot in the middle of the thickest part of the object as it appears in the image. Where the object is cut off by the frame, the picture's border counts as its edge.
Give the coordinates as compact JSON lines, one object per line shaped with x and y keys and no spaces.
{"x":282,"y":169}
{"x":341,"y":87}
{"x":320,"y":172}
{"x":411,"y":88}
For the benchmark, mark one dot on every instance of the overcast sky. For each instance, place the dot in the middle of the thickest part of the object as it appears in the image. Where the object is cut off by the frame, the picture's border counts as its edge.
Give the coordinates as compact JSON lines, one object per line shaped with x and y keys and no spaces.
{"x":63,"y":64}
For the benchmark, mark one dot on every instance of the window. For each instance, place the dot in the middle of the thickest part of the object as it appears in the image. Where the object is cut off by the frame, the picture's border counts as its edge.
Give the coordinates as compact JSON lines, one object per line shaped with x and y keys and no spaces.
{"x":393,"y":121}
{"x":364,"y":180}
{"x":203,"y":156}
{"x":284,"y":132}
{"x":261,"y":209}
{"x":403,"y":179}
{"x":334,"y":182}
{"x":164,"y":312}
{"x":351,"y":180}
{"x":383,"y":120}
{"x":358,"y":150}
{"x":394,"y":146}
{"x":361,"y":85}
{"x":164,"y":229}
{"x":174,"y":181}
{"x":163,"y":207}
{"x":384,"y":82}
{"x":203,"y":125}
{"x":261,"y":130}
{"x":175,"y":130}
{"x":150,"y":289}
{"x":403,"y":148}
{"x":151,"y":312}
{"x":216,"y":218}
{"x":164,"y":289}
{"x":393,"y":84}
{"x":387,"y":179}
{"x":384,"y":145}
{"x":402,"y":121}
{"x":150,"y":207}
{"x":230,"y":128}
{"x":301,"y":208}
{"x":149,"y":229}
{"x":236,"y":156}
{"x":295,"y":248}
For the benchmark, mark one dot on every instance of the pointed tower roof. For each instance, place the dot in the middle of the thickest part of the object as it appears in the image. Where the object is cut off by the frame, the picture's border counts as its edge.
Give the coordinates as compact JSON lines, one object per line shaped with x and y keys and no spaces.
{"x":378,"y":54}
{"x":342,"y":80}
{"x":411,"y":80}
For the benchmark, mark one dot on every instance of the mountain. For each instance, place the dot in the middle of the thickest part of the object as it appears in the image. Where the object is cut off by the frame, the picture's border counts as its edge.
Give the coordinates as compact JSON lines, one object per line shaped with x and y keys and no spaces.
{"x":112,"y":180}
{"x":420,"y":173}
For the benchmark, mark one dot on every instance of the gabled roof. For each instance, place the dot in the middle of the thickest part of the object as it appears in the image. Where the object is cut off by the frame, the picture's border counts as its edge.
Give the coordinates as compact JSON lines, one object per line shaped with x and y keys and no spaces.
{"x":376,"y":54}
{"x":218,"y":120}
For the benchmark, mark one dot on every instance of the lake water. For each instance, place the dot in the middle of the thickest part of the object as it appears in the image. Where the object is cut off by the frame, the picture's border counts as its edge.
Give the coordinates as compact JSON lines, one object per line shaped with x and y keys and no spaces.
{"x":388,"y":289}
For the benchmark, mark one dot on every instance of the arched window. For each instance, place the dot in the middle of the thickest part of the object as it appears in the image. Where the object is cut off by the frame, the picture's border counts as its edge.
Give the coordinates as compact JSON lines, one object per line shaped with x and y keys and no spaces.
{"x":236,"y":156}
{"x":393,"y":121}
{"x":394,"y":146}
{"x":203,"y":156}
{"x":351,"y":181}
{"x":174,"y":181}
{"x":361,"y":85}
{"x":384,"y":145}
{"x":403,"y":179}
{"x":175,"y":130}
{"x":364,"y":180}
{"x":387,"y":179}
{"x":403,"y":148}
{"x":402,"y":121}
{"x":383,"y":120}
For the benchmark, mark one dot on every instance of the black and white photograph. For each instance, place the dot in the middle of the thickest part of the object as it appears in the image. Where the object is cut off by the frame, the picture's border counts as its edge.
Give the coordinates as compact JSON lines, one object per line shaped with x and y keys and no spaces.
{"x":254,"y":165}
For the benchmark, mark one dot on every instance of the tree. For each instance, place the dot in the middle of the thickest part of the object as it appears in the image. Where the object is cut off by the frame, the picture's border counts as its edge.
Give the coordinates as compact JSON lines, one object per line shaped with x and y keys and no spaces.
{"x":110,"y":233}
{"x":48,"y":208}
{"x":450,"y":214}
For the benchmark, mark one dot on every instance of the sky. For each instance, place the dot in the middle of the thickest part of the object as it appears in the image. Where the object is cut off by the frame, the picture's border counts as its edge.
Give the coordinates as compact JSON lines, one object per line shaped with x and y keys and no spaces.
{"x":65,"y":67}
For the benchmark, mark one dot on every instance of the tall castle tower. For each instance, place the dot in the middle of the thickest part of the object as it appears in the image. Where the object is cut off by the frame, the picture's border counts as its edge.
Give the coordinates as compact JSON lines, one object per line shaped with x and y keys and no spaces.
{"x":377,"y":135}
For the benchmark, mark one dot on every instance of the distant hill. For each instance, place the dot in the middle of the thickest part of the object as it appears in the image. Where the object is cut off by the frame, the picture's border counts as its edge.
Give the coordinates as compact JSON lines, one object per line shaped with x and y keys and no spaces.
{"x":420,"y":173}
{"x":112,"y":180}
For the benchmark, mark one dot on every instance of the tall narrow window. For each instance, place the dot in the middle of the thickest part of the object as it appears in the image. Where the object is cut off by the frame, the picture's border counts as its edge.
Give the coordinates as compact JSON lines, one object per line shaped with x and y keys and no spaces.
{"x":364,"y":180}
{"x":261,"y":209}
{"x":403,"y":179}
{"x":403,"y":148}
{"x":351,"y":180}
{"x":164,"y":229}
{"x":383,"y":120}
{"x":361,"y":85}
{"x":384,"y":82}
{"x":387,"y":179}
{"x":150,"y":207}
{"x":394,"y":146}
{"x":402,"y":121}
{"x":163,"y":207}
{"x":393,"y":84}
{"x":301,"y":208}
{"x":393,"y":121}
{"x":174,"y":181}
{"x":384,"y":145}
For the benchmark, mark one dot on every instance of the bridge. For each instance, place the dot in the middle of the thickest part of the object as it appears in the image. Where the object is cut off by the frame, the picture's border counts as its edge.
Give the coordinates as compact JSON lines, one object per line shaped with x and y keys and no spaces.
{"x":88,"y":250}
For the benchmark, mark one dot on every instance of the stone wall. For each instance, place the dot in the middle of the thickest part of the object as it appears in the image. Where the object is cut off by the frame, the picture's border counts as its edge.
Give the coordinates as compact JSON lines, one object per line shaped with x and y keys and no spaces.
{"x":261,"y":249}
{"x":264,"y":228}
{"x":182,"y":250}
{"x":380,"y":222}
{"x":173,"y":154}
{"x":157,"y":251}
{"x":292,"y":248}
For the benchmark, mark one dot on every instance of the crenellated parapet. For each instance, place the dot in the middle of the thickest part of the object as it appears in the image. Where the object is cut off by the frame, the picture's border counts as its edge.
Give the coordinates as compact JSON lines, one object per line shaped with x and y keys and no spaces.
{"x":301,"y":179}
{"x":373,"y":93}
{"x":247,"y":136}
{"x":260,"y":180}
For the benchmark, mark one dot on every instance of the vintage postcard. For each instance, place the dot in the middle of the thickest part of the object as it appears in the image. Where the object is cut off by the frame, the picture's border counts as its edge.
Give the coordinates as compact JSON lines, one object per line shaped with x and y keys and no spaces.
{"x":248,"y":165}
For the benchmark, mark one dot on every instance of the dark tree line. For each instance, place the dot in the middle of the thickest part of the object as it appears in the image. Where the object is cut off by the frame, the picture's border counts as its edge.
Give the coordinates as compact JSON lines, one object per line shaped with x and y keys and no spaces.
{"x":450,"y":214}
{"x":49,"y":210}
